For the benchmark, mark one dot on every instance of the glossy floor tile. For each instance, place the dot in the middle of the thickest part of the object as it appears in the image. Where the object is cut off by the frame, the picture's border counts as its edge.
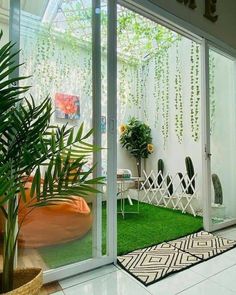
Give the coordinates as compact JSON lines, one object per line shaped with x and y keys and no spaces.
{"x":207,"y":288}
{"x":66,"y":283}
{"x":176,"y":283}
{"x":115,"y":283}
{"x":231,"y":254}
{"x":213,"y":277}
{"x":213,"y":266}
{"x":226,"y":278}
{"x":229,"y":233}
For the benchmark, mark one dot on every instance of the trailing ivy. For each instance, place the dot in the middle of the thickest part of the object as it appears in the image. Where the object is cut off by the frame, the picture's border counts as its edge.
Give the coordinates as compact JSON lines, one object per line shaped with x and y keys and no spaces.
{"x":178,"y":98}
{"x":165,"y":98}
{"x":143,"y":83}
{"x":132,"y":92}
{"x":197,"y":100}
{"x":138,"y":87}
{"x":54,"y":61}
{"x":122,"y":78}
{"x":127,"y":88}
{"x":212,"y":92}
{"x":158,"y":72}
{"x":195,"y":91}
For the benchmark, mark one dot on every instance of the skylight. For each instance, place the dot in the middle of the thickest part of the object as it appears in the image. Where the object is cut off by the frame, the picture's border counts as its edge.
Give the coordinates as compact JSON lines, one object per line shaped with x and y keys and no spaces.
{"x":138,"y":37}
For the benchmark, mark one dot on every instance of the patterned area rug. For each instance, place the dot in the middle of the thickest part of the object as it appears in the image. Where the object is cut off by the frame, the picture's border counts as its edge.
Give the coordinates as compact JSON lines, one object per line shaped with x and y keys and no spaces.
{"x":154,"y":263}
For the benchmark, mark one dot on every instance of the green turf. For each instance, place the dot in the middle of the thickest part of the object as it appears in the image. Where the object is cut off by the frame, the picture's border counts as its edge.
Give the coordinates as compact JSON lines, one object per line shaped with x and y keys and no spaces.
{"x":152,"y":225}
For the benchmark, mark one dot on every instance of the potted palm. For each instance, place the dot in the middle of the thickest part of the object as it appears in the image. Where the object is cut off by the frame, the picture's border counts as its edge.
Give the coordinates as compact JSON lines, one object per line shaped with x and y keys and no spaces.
{"x":27,"y":143}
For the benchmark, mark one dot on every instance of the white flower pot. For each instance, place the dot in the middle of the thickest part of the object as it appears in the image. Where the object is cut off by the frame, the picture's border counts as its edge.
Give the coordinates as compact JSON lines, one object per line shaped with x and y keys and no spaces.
{"x":218,"y":211}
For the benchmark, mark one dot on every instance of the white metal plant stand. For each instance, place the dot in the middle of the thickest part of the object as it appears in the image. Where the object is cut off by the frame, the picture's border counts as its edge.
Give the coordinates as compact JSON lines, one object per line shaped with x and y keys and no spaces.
{"x":123,"y":186}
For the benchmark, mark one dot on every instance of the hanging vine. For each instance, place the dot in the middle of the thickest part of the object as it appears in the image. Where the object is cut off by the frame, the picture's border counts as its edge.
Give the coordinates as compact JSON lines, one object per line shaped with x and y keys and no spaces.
{"x":197,"y":100}
{"x":143,"y":83}
{"x":195,"y":91}
{"x":138,"y":87}
{"x":131,"y":85}
{"x":212,"y":92}
{"x":165,"y":98}
{"x":86,"y":76}
{"x":178,"y":98}
{"x":158,"y":72}
{"x":127,"y":76}
{"x":122,"y":77}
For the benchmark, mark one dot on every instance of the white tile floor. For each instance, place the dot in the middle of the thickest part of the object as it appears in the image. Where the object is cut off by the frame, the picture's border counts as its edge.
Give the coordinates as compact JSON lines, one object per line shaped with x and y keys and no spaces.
{"x":214,"y":277}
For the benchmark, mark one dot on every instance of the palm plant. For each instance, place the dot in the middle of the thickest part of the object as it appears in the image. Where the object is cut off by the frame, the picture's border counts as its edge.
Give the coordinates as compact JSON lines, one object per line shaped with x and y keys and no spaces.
{"x":27,"y":143}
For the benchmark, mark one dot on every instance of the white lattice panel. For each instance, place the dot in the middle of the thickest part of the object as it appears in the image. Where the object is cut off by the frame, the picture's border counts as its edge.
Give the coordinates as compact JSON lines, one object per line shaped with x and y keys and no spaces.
{"x":176,"y":194}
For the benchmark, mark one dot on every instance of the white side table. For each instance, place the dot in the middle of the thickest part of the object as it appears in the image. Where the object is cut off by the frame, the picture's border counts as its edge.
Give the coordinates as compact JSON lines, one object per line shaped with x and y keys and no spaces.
{"x":122,"y":191}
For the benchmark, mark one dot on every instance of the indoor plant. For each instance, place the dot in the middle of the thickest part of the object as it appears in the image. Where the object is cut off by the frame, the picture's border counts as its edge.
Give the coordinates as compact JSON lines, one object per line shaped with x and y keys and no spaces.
{"x":136,"y":138}
{"x":27,"y":143}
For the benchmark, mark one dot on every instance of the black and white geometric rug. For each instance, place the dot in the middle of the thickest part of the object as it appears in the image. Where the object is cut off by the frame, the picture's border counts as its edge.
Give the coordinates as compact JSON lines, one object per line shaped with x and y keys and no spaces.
{"x":151,"y":264}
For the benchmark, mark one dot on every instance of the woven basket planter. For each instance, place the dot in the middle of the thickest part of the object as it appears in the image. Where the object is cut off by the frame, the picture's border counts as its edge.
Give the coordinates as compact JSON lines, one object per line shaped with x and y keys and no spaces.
{"x":27,"y":281}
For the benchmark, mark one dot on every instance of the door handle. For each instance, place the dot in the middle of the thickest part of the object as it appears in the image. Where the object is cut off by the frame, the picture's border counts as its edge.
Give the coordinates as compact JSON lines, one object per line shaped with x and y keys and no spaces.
{"x":207,"y":153}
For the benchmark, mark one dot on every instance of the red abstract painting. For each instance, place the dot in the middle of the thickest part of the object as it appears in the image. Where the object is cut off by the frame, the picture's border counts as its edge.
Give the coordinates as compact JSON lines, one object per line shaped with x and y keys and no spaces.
{"x":67,"y":106}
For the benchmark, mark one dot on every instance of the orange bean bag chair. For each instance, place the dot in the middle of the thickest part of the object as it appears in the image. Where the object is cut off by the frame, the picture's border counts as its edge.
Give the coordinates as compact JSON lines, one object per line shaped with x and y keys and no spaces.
{"x":51,"y":225}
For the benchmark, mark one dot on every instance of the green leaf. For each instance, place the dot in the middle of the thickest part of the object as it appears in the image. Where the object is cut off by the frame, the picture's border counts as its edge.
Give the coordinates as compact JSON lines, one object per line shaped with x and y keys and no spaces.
{"x":80,"y":132}
{"x":71,"y":137}
{"x":22,"y":192}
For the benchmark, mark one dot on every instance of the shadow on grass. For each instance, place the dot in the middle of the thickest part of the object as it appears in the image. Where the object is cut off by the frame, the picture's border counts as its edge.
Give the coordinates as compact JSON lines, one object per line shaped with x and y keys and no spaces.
{"x":153,"y":225}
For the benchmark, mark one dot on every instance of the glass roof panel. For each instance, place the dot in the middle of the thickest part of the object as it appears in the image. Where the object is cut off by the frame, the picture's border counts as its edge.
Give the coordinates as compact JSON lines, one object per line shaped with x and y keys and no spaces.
{"x":138,"y":37}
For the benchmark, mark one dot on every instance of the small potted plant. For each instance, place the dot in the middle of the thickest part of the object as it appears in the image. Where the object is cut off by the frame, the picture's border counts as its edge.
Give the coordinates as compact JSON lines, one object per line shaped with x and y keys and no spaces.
{"x":27,"y":143}
{"x":136,"y":138}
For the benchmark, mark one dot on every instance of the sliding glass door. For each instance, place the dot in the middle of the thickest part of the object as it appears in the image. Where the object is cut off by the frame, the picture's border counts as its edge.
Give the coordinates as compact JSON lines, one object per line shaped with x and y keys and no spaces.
{"x":65,"y":54}
{"x":221,"y":138}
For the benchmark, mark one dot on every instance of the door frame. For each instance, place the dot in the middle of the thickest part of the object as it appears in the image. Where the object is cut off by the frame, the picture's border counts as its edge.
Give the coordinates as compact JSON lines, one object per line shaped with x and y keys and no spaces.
{"x":161,"y":16}
{"x":110,"y":257}
{"x":165,"y":18}
{"x":206,"y":159}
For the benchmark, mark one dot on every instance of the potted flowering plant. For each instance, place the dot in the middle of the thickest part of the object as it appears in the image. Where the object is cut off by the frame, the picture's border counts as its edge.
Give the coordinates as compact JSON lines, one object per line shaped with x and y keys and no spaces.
{"x":135,"y":137}
{"x":29,"y":142}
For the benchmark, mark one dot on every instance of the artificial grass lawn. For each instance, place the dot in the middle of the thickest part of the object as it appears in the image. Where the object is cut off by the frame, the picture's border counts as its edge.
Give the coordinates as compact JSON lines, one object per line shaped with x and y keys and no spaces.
{"x":152,"y":225}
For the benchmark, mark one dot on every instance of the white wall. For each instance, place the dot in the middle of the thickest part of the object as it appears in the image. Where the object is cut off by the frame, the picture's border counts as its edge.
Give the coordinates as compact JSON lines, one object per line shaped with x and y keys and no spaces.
{"x":125,"y":110}
{"x":150,"y":111}
{"x":5,"y":28}
{"x":174,"y":153}
{"x":4,"y":24}
{"x":56,"y":66}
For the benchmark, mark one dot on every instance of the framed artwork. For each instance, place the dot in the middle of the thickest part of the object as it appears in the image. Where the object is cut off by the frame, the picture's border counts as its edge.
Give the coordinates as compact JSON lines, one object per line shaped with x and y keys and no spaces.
{"x":103,"y":124}
{"x":67,"y":106}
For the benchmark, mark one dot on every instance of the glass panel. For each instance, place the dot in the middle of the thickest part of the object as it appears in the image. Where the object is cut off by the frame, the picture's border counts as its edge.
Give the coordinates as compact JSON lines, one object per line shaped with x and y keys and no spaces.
{"x":104,"y":128}
{"x":4,"y":26}
{"x":159,"y":74}
{"x":56,"y":42}
{"x":222,"y":136}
